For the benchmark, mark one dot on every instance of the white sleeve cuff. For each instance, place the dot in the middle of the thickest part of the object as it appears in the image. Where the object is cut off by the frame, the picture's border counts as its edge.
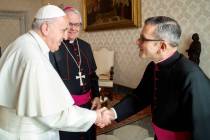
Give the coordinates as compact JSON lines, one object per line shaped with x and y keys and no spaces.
{"x":115,"y":113}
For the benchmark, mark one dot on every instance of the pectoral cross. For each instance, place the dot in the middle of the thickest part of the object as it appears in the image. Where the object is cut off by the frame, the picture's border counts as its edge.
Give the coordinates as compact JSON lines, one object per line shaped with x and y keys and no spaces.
{"x":80,"y":76}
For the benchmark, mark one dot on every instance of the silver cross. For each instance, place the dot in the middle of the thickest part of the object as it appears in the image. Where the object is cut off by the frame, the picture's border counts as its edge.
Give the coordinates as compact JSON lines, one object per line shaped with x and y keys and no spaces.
{"x":80,"y":76}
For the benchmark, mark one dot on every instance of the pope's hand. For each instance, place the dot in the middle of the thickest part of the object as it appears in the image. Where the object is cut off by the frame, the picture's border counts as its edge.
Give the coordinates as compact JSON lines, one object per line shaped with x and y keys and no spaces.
{"x":104,"y":117}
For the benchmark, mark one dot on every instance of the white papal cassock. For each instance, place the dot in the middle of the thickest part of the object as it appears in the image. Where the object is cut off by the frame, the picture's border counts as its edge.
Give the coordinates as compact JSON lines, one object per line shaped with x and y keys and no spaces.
{"x":34,"y":102}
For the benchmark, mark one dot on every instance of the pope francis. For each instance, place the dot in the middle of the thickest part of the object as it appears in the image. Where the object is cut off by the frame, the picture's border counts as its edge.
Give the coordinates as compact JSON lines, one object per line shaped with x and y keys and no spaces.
{"x":34,"y":102}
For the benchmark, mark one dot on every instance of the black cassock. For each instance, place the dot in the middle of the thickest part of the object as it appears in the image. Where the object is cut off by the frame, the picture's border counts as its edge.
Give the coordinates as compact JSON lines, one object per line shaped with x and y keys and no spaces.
{"x":68,"y":70}
{"x":179,"y":94}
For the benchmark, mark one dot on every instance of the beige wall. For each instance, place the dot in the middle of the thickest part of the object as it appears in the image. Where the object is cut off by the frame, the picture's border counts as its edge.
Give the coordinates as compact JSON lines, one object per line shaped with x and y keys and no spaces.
{"x":10,"y":26}
{"x":30,"y":6}
{"x":75,"y":3}
{"x":193,"y":15}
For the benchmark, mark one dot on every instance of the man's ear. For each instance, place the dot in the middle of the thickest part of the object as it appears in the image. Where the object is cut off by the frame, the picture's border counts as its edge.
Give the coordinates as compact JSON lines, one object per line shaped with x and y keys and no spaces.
{"x":162,"y":47}
{"x":44,"y":29}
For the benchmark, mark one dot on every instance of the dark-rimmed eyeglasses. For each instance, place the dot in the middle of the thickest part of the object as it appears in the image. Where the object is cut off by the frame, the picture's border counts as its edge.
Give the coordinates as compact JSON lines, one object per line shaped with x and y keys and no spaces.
{"x":143,"y":39}
{"x":75,"y":24}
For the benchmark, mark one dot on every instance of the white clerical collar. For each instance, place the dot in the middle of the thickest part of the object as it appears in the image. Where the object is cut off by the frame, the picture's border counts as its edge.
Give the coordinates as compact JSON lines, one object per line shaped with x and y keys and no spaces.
{"x":71,"y":41}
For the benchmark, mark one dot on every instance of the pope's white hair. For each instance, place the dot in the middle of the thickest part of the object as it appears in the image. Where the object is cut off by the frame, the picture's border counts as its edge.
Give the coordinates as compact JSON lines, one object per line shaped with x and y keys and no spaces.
{"x":37,"y":23}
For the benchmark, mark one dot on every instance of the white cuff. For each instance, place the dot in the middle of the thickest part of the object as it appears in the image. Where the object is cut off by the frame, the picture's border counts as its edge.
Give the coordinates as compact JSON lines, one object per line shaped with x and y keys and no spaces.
{"x":115,"y":113}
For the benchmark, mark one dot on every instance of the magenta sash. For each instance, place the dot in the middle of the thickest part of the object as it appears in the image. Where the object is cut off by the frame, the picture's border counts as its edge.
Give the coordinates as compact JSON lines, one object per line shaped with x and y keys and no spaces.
{"x":82,"y":99}
{"x":163,"y":134}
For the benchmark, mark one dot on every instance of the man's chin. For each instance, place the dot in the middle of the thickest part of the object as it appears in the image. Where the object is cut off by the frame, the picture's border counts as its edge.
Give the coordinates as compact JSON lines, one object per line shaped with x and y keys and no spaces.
{"x":72,"y":38}
{"x":55,"y":49}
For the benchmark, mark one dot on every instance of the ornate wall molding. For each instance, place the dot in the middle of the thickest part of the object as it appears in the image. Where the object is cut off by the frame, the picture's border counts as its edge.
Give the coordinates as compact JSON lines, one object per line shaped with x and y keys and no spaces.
{"x":16,"y":15}
{"x":12,"y":24}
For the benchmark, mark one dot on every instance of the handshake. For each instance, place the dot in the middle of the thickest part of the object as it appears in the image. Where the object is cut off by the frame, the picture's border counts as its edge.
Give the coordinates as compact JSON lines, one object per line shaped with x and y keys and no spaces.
{"x":104,"y":117}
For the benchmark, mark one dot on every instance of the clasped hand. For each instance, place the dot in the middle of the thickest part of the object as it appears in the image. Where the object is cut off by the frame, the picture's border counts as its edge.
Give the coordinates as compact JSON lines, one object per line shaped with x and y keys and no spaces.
{"x":104,"y":117}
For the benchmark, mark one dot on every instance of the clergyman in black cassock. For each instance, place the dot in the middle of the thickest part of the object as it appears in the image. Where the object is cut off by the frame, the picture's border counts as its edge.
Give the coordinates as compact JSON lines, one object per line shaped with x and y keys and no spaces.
{"x":179,"y":94}
{"x":176,"y":88}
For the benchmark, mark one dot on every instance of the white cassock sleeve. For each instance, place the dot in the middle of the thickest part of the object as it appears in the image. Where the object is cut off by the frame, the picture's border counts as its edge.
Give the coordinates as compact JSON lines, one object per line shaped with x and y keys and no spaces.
{"x":74,"y":119}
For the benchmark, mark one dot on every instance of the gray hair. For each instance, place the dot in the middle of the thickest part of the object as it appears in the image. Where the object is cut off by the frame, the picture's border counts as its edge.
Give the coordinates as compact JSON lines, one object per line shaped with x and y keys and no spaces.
{"x":167,"y":29}
{"x":37,"y":23}
{"x":73,"y":10}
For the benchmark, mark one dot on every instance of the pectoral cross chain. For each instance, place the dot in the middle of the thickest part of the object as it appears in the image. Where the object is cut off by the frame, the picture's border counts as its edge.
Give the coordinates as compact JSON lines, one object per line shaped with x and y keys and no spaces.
{"x":80,"y":76}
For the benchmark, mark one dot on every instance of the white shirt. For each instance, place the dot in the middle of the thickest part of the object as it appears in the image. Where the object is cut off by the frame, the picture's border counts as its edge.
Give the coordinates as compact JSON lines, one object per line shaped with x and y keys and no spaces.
{"x":33,"y":97}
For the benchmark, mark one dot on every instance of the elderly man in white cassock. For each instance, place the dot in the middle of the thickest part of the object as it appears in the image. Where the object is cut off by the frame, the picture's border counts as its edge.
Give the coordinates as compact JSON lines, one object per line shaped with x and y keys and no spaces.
{"x":34,"y":102}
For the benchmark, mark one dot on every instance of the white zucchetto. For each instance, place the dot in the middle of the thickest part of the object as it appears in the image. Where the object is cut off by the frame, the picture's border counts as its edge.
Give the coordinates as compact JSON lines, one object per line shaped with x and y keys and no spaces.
{"x":49,"y":11}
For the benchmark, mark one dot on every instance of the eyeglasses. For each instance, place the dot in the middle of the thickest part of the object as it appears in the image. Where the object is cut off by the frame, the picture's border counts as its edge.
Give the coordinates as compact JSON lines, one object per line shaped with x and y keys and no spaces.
{"x":75,"y":24}
{"x":143,"y":39}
